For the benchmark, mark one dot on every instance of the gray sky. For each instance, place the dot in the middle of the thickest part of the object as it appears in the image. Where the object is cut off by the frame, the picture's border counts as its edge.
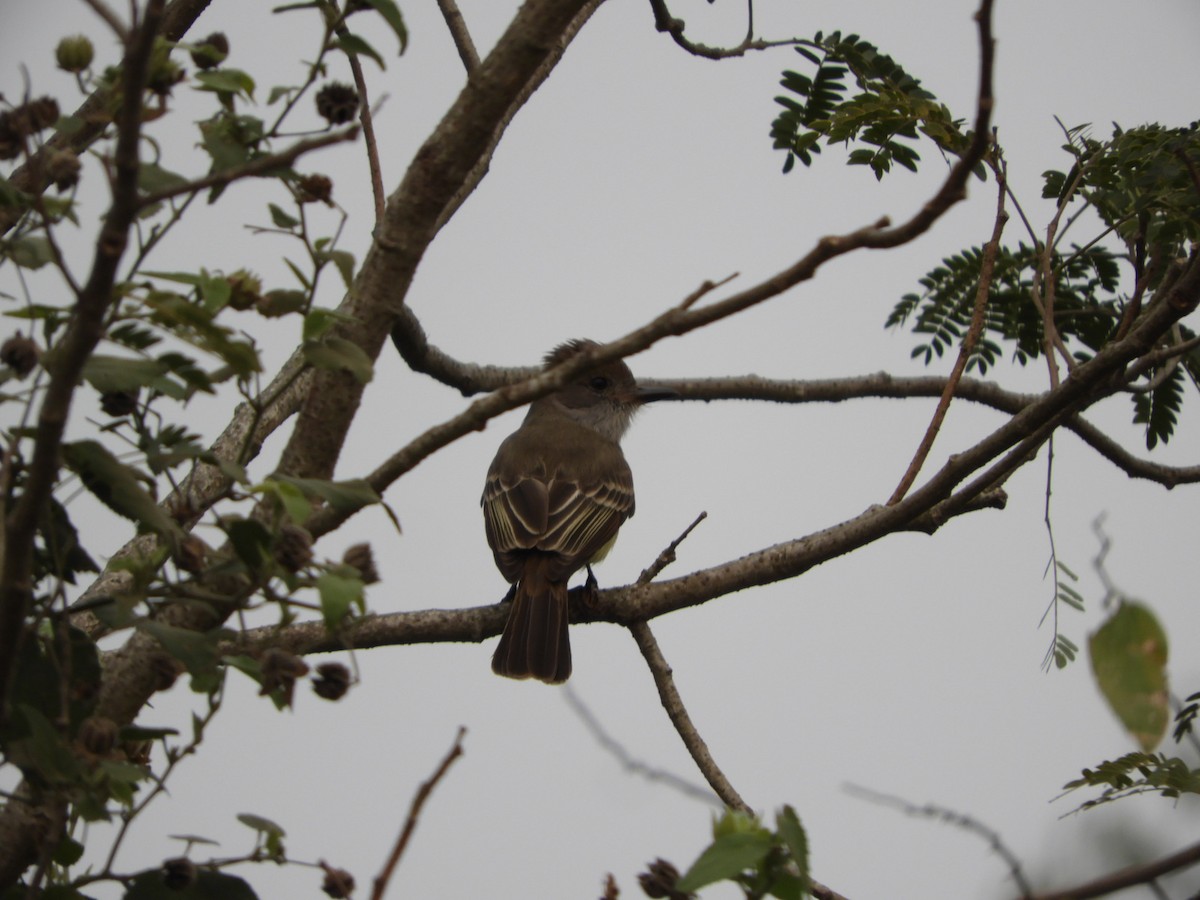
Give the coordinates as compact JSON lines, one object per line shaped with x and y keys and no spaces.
{"x":911,"y":667}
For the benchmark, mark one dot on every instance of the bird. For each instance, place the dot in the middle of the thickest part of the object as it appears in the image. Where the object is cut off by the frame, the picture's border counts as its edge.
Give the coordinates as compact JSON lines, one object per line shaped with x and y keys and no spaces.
{"x":556,"y":493}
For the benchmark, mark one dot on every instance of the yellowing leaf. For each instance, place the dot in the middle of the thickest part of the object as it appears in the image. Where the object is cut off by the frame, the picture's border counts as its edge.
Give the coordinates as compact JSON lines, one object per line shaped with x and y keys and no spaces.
{"x":1129,"y":658}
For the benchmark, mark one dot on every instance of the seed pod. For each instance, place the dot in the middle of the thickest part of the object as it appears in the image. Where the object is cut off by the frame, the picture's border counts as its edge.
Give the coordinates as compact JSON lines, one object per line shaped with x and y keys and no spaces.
{"x":74,"y":54}
{"x":337,"y":103}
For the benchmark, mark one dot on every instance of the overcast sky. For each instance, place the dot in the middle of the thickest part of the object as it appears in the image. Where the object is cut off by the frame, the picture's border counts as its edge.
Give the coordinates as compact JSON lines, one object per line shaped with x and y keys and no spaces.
{"x":910,"y":668}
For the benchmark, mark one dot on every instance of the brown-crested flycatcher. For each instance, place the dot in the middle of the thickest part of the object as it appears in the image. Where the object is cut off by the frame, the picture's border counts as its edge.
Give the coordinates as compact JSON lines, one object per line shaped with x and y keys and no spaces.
{"x":556,"y":494}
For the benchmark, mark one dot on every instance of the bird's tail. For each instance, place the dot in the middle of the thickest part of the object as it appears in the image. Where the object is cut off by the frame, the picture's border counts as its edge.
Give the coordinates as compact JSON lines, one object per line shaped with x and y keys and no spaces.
{"x":535,"y":643}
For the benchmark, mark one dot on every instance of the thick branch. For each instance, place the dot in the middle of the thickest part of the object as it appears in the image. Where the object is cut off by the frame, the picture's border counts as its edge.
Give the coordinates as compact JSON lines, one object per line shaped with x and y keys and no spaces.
{"x":415,"y":212}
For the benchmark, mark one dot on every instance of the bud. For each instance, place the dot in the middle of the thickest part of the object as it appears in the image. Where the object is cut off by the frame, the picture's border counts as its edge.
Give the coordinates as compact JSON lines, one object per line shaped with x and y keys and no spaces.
{"x":360,"y":557}
{"x":179,"y":873}
{"x":332,"y":681}
{"x":42,"y":112}
{"x":62,"y":167}
{"x":280,"y":670}
{"x":315,"y":188}
{"x":119,"y":403}
{"x":338,"y":882}
{"x":20,"y":354}
{"x":659,"y":881}
{"x":211,"y":51}
{"x":245,"y":289}
{"x":337,"y":103}
{"x":164,"y":74}
{"x":293,"y":547}
{"x":74,"y":54}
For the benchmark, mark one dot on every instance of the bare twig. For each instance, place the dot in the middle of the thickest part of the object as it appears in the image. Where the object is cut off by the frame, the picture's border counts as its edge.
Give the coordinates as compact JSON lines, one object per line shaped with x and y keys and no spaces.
{"x":665,"y":22}
{"x":983,"y":289}
{"x":105,"y":12}
{"x":950,"y":817}
{"x":410,"y":824}
{"x":368,"y":127}
{"x":668,"y":554}
{"x":462,"y":37}
{"x":673,"y":704}
{"x":627,"y":759}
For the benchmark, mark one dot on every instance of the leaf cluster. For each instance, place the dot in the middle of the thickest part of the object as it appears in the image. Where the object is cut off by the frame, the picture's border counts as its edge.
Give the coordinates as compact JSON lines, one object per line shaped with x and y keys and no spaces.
{"x":1086,"y":308}
{"x":1138,"y":773}
{"x":889,"y":114}
{"x":764,"y":863}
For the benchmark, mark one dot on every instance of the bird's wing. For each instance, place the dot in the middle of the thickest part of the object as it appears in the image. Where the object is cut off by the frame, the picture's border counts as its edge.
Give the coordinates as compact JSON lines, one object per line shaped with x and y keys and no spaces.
{"x":571,"y":514}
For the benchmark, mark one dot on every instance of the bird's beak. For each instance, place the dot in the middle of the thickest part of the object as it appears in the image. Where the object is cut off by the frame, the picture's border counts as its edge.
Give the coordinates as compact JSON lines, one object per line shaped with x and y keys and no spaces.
{"x":648,"y":393}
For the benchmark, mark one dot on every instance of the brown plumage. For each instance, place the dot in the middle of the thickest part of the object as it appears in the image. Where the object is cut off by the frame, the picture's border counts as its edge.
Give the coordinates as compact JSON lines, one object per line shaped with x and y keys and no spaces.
{"x":556,"y":494}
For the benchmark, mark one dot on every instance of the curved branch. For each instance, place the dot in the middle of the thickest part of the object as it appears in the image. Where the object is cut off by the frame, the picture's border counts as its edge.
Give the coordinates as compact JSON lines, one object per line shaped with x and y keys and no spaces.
{"x":1127,"y":877}
{"x":672,"y":703}
{"x":665,"y":22}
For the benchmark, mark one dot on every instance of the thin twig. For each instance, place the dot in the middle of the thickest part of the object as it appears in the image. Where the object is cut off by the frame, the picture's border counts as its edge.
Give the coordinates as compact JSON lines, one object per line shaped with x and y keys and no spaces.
{"x":983,"y":289}
{"x":256,"y":167}
{"x":664,"y":680}
{"x":368,"y":127}
{"x":665,"y":22}
{"x":105,"y":12}
{"x":627,"y":759}
{"x":949,"y":816}
{"x":410,"y":824}
{"x":668,"y":554}
{"x":462,"y":37}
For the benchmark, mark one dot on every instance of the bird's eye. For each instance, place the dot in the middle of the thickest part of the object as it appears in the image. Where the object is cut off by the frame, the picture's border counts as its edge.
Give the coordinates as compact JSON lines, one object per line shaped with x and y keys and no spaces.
{"x":599,"y":383}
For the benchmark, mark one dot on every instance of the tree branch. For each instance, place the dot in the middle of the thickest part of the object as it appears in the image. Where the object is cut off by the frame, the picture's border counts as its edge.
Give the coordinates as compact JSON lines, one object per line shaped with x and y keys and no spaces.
{"x":986,"y":268}
{"x":1123,"y":878}
{"x":410,"y":824}
{"x":263,"y":165}
{"x":459,"y":33}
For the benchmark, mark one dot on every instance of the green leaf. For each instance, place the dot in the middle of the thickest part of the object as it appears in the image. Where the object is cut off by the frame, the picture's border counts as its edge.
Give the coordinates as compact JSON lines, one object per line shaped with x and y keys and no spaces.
{"x":226,"y":81}
{"x":344,"y":496}
{"x":337,"y":353}
{"x":31,"y":251}
{"x":45,"y":750}
{"x":1129,"y":657}
{"x":117,"y":486}
{"x":726,"y":857}
{"x":357,"y":46}
{"x":68,"y":852}
{"x":196,"y":650}
{"x":60,"y":552}
{"x":391,"y":14}
{"x":153,"y":178}
{"x":251,"y":541}
{"x":787,"y":823}
{"x":115,"y":374}
{"x":320,"y":320}
{"x":281,"y":218}
{"x":209,"y":885}
{"x":344,"y":260}
{"x":261,"y":824}
{"x":338,"y":594}
{"x":132,"y":733}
